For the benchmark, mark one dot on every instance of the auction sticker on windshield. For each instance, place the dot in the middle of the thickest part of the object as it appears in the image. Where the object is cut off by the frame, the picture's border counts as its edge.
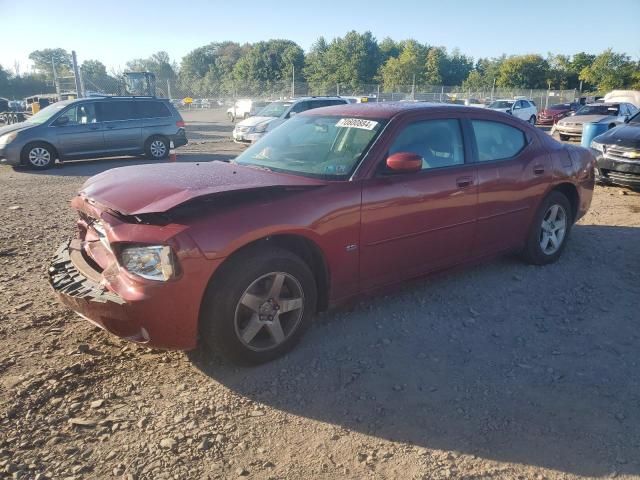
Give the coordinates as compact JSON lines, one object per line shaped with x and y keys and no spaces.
{"x":357,"y":123}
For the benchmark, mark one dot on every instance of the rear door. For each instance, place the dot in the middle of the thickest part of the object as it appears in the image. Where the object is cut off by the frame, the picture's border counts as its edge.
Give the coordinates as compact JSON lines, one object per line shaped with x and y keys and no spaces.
{"x":122,"y":126}
{"x":413,"y":223}
{"x":156,"y":118}
{"x":82,"y":134}
{"x":513,"y":173}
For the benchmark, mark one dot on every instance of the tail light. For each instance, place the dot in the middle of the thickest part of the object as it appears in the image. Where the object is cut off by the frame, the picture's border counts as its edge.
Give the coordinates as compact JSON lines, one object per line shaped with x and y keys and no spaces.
{"x":180,"y":123}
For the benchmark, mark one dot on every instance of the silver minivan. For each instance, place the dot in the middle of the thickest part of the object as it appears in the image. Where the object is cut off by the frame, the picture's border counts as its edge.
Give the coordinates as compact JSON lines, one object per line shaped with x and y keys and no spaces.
{"x":93,"y":127}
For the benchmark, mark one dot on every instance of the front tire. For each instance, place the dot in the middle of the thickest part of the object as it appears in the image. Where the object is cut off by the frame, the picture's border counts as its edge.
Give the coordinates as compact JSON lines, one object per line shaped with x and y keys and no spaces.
{"x":532,"y":120}
{"x":38,"y":156}
{"x":550,"y":230}
{"x":157,"y":148}
{"x":259,"y":306}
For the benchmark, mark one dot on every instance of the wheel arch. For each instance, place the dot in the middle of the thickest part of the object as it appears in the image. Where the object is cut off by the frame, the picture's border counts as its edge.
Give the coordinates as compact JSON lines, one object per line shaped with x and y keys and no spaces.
{"x":23,"y":152}
{"x":300,"y":245}
{"x":570,"y":191}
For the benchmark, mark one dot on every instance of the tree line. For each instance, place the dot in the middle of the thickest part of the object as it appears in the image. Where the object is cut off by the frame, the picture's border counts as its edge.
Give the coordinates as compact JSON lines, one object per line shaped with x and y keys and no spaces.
{"x":353,"y":60}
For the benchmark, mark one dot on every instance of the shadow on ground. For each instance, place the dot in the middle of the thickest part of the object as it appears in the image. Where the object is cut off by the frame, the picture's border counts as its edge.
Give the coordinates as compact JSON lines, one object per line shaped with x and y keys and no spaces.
{"x":539,"y":365}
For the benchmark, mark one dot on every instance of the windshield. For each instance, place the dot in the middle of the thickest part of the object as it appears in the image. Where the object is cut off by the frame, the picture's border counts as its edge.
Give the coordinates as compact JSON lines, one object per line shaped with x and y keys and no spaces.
{"x":598,"y":110}
{"x":275,"y":109}
{"x":501,"y":104}
{"x":46,"y":113}
{"x":314,"y":146}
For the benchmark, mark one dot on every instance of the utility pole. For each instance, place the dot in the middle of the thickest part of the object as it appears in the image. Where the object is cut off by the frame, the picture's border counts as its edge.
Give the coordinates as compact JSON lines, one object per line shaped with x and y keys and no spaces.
{"x":76,"y":73}
{"x":293,"y":81}
{"x":55,"y":78}
{"x":413,"y":88}
{"x":493,"y":89}
{"x":378,"y":94}
{"x":169,"y":88}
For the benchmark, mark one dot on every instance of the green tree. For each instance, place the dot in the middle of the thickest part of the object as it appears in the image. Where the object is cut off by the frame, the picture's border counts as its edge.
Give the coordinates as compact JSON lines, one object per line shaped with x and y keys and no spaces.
{"x":403,"y":69}
{"x":389,"y":48}
{"x":267,"y":64}
{"x":159,"y":64}
{"x":43,"y":61}
{"x":315,"y":66}
{"x":208,"y":70}
{"x":523,"y":71}
{"x":455,"y":68}
{"x":436,"y":58}
{"x":609,"y":70}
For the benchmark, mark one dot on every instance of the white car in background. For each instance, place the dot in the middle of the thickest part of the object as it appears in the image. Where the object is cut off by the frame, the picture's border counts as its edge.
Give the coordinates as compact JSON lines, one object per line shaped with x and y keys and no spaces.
{"x":244,"y":108}
{"x":521,"y":108}
{"x":276,"y":113}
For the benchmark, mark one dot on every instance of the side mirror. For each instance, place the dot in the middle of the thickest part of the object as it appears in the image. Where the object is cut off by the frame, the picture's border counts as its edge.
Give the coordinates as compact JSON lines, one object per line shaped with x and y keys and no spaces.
{"x":60,"y":121}
{"x":404,"y":162}
{"x":292,"y":114}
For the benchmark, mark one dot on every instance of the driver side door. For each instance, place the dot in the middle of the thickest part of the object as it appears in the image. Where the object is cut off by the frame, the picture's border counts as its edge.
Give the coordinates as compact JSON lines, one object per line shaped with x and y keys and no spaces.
{"x":82,"y":135}
{"x":413,"y":223}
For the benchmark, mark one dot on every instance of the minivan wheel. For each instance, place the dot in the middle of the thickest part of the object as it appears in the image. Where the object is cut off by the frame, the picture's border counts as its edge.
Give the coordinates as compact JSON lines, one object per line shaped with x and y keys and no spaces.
{"x":157,"y":148}
{"x":259,"y":306}
{"x":550,"y":230}
{"x":38,"y":156}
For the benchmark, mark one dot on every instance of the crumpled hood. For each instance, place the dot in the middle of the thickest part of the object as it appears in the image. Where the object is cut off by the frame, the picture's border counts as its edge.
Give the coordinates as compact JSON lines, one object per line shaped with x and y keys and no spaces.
{"x":253,"y":121}
{"x":144,"y":189}
{"x":15,"y":127}
{"x":581,"y":119}
{"x":627,"y":135}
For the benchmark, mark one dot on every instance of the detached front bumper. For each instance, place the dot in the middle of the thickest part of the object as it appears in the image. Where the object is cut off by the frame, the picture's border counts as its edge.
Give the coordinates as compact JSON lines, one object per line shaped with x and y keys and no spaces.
{"x":617,"y":171}
{"x":158,"y":314}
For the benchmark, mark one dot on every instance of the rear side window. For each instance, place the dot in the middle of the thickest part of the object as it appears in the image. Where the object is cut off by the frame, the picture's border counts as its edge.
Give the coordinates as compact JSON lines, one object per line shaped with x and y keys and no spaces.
{"x":152,"y":109}
{"x":497,"y":141}
{"x":120,"y":110}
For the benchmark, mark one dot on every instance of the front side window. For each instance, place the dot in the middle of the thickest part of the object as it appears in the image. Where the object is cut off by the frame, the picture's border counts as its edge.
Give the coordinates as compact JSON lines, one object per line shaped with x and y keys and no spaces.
{"x":438,"y":142}
{"x":497,"y":141}
{"x":80,"y":114}
{"x":314,"y":146}
{"x":117,"y":110}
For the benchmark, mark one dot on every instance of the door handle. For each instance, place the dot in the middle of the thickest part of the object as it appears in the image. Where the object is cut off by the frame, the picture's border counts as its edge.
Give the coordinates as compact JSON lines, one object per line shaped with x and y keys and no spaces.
{"x":538,"y":169}
{"x":464,"y":182}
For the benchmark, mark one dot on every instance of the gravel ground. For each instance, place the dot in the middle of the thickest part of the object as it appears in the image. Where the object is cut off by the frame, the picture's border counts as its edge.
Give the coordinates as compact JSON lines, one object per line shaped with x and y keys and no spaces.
{"x":499,"y":371}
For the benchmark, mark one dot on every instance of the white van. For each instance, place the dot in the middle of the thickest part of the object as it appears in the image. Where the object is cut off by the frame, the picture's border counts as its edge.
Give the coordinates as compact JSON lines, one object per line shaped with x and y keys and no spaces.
{"x":629,"y":96}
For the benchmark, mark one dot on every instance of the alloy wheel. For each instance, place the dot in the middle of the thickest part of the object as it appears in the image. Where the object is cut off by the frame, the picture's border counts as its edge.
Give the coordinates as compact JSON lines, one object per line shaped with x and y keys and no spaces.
{"x":553,"y":229}
{"x":39,"y":157}
{"x":269,"y":311}
{"x":158,"y":148}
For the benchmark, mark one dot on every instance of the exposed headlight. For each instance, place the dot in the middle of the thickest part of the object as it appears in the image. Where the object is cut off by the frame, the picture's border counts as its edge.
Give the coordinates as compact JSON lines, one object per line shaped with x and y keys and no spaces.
{"x":151,"y":262}
{"x":8,"y":138}
{"x":261,"y":128}
{"x":632,"y":155}
{"x":597,"y":146}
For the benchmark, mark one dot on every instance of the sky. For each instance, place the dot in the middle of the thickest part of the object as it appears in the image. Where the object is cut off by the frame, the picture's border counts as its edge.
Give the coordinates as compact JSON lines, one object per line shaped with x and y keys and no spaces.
{"x":116,"y":31}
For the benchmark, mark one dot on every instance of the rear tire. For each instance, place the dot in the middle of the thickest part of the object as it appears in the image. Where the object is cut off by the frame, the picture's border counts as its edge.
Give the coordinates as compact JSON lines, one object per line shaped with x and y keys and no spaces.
{"x":263,"y":331}
{"x":549,"y":231}
{"x":157,"y":148}
{"x":38,"y":156}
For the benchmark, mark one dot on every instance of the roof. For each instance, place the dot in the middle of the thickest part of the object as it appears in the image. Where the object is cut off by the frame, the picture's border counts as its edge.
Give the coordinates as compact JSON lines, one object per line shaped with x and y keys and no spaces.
{"x":381,"y":110}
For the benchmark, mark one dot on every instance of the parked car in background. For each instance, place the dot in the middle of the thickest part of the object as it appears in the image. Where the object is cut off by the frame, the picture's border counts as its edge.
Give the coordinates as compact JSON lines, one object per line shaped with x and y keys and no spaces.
{"x":244,"y":108}
{"x":93,"y":127}
{"x":617,"y":154}
{"x":520,"y":108}
{"x":553,"y":113}
{"x":276,"y":113}
{"x":335,"y":203}
{"x":610,"y":113}
{"x":624,"y":96}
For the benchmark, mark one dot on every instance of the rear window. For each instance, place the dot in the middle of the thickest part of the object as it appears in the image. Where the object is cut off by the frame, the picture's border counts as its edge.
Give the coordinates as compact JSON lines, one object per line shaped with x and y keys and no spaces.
{"x":118,"y":110}
{"x":152,"y":110}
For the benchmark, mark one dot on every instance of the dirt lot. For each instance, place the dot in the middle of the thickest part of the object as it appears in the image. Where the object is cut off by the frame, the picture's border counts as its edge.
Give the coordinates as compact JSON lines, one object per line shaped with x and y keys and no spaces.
{"x":500,"y":371}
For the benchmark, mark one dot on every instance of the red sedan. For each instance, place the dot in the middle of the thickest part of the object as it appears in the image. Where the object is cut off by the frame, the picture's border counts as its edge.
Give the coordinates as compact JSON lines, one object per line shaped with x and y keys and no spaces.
{"x":335,"y":203}
{"x":553,"y":113}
